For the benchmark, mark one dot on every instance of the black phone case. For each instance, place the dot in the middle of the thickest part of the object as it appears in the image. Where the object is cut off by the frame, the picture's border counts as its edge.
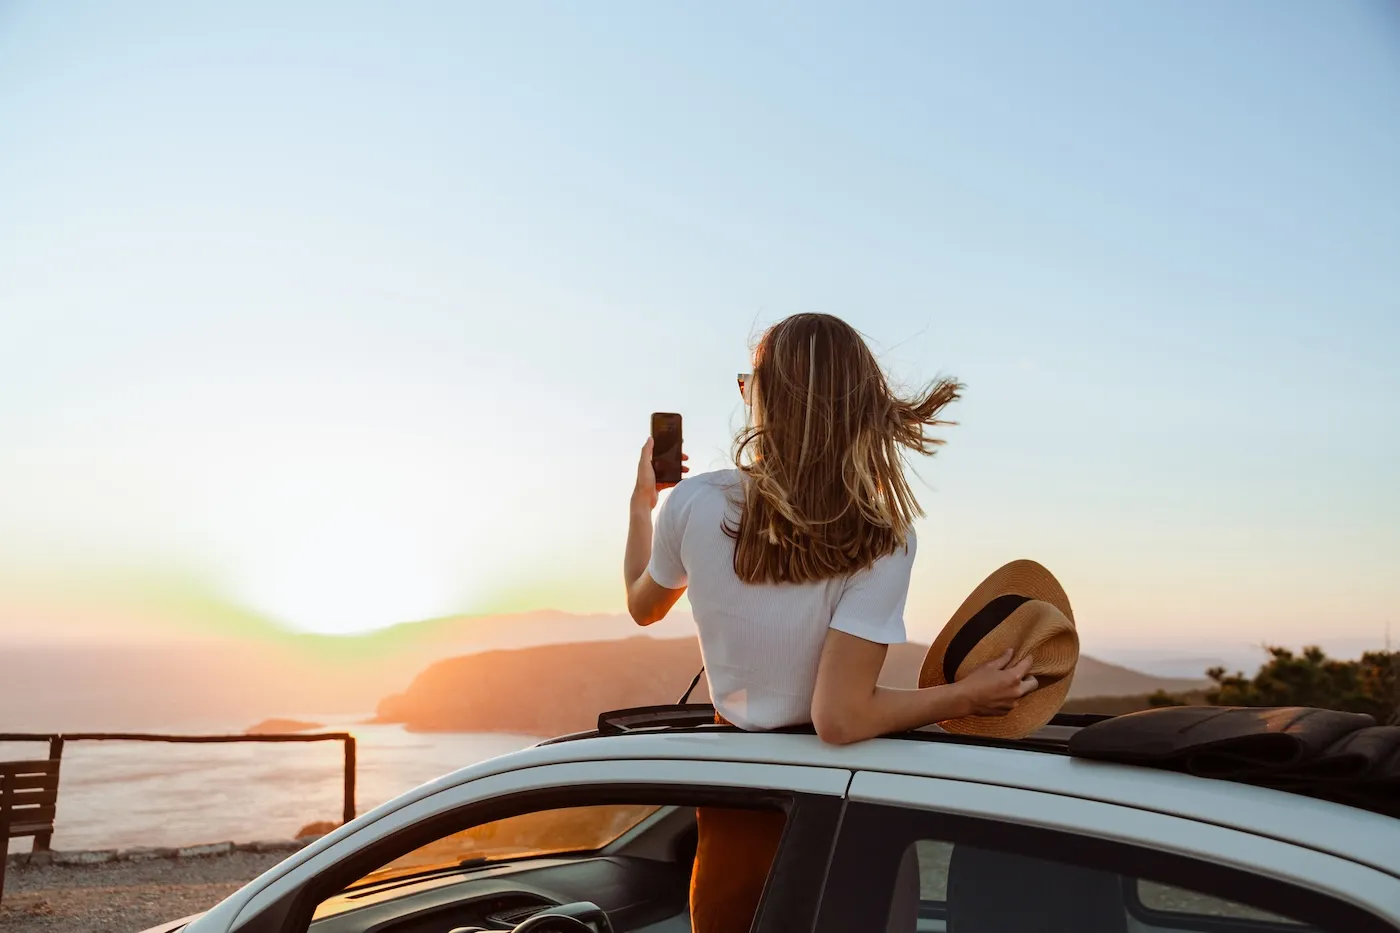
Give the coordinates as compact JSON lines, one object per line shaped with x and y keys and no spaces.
{"x":668,"y":471}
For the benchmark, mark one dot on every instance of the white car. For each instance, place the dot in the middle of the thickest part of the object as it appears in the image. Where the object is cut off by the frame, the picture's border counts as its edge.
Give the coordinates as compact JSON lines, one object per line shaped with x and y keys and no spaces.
{"x":913,"y":834}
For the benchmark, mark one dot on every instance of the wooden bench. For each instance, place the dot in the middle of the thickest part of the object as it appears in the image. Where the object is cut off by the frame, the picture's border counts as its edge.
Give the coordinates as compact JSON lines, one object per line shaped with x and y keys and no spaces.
{"x":28,"y":802}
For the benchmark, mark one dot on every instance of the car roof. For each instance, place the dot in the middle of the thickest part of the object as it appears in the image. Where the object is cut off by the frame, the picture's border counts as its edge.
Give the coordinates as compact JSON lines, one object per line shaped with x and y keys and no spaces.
{"x":1040,"y":762}
{"x":1322,"y":825}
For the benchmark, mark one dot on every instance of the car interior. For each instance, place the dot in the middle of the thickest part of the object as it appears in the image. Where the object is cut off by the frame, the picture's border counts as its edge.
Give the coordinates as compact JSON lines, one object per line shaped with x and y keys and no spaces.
{"x":528,"y":874}
{"x":636,"y":882}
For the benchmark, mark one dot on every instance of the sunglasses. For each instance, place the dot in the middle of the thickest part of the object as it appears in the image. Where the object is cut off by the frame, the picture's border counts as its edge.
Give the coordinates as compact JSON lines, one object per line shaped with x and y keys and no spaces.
{"x":745,"y":380}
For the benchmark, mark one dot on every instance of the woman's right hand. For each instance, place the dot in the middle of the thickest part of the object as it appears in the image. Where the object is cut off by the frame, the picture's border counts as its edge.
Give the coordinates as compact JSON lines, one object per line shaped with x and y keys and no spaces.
{"x":646,"y":493}
{"x":993,"y":688}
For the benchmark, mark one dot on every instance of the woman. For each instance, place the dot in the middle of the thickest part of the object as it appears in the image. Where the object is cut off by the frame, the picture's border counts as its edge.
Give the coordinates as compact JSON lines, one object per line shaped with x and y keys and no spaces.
{"x":797,"y":564}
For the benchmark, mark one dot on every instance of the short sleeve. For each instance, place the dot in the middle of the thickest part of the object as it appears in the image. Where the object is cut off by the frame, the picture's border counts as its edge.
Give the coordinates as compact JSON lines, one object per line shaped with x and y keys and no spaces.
{"x":872,"y":604}
{"x":666,"y":567}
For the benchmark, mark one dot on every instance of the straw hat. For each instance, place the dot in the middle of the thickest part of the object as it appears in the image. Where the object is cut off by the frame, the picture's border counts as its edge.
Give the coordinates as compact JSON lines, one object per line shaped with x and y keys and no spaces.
{"x":1022,"y":607}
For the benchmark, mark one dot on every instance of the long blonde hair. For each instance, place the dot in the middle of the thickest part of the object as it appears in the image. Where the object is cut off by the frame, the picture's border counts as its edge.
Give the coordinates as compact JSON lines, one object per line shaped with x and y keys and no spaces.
{"x":825,"y":493}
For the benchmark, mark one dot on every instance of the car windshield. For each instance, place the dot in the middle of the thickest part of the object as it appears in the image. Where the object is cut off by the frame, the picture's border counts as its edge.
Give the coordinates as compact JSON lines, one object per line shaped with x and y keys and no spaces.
{"x":546,"y":832}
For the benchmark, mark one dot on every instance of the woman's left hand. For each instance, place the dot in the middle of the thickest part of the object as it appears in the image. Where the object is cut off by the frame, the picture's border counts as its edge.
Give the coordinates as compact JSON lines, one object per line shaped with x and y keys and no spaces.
{"x":647,"y":487}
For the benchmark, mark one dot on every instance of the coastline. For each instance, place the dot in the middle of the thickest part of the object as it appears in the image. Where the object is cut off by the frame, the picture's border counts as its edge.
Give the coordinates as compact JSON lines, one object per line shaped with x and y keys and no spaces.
{"x":115,"y":795}
{"x":79,"y":857}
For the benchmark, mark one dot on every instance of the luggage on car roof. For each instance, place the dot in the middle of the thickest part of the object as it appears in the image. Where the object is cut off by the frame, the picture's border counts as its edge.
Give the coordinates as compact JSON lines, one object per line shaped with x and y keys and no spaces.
{"x":1329,"y":754}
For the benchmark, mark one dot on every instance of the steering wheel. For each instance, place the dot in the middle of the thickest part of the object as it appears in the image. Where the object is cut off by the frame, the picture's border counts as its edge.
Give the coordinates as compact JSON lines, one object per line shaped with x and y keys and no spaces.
{"x":578,"y":917}
{"x":548,"y":922}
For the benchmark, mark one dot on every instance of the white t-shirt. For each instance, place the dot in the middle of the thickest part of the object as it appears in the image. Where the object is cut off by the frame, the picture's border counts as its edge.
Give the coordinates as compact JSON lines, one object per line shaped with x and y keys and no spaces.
{"x":761,"y":642}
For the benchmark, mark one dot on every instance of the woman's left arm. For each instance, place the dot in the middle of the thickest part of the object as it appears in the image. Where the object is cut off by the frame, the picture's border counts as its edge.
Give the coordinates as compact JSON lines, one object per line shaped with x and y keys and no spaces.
{"x":647,"y":600}
{"x":849,"y":704}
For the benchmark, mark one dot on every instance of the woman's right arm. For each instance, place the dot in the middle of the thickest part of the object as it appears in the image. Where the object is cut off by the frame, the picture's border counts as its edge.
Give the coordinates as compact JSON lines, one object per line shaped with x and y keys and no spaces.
{"x":849,"y":704}
{"x":647,"y":600}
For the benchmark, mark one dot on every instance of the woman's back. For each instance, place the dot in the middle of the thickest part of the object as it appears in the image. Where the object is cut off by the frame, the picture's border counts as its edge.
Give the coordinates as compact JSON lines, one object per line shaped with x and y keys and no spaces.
{"x":762,"y":641}
{"x":797,"y":567}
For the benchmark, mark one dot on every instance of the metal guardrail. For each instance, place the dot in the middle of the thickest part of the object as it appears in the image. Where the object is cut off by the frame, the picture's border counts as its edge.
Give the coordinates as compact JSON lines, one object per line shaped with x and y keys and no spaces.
{"x":57,"y":741}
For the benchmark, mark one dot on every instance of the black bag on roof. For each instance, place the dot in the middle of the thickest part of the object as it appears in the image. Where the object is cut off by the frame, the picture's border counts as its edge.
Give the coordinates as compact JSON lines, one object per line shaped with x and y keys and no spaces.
{"x":1330,"y":754}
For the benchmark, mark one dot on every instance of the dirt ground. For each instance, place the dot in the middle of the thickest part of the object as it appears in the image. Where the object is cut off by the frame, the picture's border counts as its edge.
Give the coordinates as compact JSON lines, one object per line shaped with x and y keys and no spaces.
{"x":122,"y":897}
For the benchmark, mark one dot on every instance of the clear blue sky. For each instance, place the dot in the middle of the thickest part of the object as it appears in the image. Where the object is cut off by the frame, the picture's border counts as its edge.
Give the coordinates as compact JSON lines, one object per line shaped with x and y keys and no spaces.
{"x":353,"y":313}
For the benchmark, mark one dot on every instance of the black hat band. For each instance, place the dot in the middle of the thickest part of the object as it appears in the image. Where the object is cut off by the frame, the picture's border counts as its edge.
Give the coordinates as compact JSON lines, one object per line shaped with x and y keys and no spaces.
{"x":977,"y":628}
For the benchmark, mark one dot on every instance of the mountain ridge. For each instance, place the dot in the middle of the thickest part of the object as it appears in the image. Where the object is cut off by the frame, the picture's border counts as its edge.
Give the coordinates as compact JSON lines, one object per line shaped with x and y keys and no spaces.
{"x":557,"y":689}
{"x":226,"y":683}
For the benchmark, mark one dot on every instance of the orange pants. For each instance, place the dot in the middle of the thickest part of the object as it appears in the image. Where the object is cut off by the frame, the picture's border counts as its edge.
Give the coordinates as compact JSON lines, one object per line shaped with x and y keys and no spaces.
{"x":732,"y":859}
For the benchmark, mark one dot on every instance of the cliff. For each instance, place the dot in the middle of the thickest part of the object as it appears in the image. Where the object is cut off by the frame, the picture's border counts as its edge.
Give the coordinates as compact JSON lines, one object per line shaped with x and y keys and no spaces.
{"x":545,"y":690}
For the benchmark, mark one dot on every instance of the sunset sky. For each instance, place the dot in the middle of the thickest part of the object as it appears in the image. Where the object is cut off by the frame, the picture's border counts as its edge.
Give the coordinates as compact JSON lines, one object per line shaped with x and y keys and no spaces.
{"x":345,"y":314}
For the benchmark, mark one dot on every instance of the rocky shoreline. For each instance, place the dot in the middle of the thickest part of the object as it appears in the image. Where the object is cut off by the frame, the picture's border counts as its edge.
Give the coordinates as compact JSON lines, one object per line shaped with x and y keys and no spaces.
{"x":150,"y":853}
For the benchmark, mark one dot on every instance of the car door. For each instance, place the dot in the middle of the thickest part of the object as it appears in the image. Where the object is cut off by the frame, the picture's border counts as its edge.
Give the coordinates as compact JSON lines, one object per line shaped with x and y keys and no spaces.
{"x":292,"y":898}
{"x":932,"y":855}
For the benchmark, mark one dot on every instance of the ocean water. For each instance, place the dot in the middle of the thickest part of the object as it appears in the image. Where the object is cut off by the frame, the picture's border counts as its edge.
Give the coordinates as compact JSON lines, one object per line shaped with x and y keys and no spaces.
{"x":120,"y":794}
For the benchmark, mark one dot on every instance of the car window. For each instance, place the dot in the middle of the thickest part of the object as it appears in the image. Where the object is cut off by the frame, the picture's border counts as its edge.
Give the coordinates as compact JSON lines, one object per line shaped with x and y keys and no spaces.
{"x":496,"y":873}
{"x":1135,"y":898}
{"x":546,"y":832}
{"x":559,"y":831}
{"x":1182,"y":904}
{"x":899,"y":870}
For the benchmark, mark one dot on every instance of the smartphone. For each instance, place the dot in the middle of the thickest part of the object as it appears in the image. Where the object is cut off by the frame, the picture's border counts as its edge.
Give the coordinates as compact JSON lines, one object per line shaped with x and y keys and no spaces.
{"x":666,"y":446}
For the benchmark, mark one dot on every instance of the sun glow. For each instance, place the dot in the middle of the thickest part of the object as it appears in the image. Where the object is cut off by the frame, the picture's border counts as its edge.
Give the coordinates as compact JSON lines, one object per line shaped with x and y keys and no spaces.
{"x":345,"y":544}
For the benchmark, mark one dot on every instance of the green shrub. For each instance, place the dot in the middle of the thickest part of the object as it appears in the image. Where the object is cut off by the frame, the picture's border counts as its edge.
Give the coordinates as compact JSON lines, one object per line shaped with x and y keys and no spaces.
{"x":1368,"y":685}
